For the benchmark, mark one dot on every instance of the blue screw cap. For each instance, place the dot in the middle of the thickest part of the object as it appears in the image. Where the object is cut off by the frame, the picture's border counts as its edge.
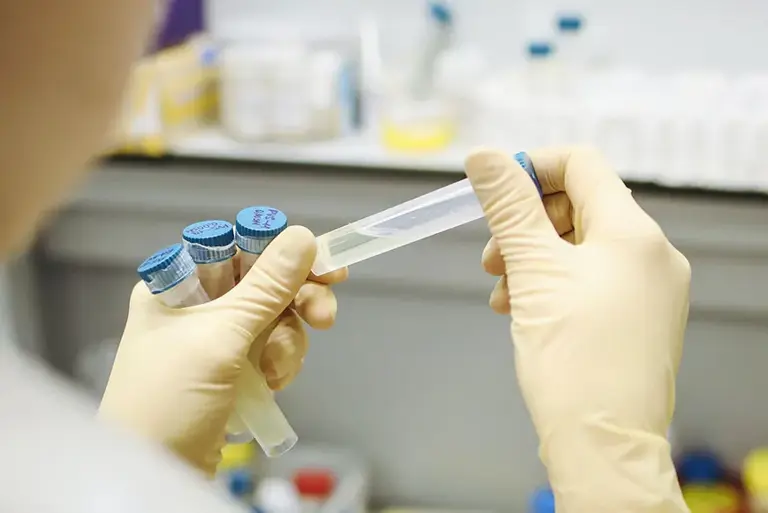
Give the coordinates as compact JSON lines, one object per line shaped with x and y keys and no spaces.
{"x":210,"y":241}
{"x":525,"y":162}
{"x":256,"y":227}
{"x":543,"y":501}
{"x":166,"y":268}
{"x":240,"y":483}
{"x":540,"y":49}
{"x":569,"y":23}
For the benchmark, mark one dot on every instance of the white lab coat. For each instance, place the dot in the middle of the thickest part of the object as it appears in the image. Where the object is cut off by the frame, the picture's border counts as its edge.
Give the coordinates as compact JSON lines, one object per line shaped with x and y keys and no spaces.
{"x":57,"y":458}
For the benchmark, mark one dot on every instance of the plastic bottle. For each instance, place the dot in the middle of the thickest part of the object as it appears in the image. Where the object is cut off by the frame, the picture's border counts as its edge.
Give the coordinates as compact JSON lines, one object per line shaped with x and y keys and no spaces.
{"x":542,"y":501}
{"x":755,"y":474}
{"x":700,"y":467}
{"x":211,"y":244}
{"x":256,"y":227}
{"x":571,"y":52}
{"x":275,"y":495}
{"x":315,"y":486}
{"x":235,"y":471}
{"x":170,"y":276}
{"x":542,"y":111}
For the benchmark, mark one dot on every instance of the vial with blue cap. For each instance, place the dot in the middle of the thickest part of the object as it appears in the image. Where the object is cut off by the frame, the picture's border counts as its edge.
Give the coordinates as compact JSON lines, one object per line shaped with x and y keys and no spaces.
{"x":170,"y":276}
{"x":255,"y":228}
{"x":211,"y":244}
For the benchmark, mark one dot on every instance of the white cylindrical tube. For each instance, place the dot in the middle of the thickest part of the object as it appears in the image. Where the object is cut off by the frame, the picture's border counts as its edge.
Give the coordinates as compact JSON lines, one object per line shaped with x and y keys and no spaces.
{"x":256,"y":227}
{"x":211,"y":244}
{"x":170,"y":276}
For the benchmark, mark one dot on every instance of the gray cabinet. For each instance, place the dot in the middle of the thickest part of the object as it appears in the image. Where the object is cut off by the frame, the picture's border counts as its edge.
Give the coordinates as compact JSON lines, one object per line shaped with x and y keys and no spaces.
{"x":418,"y":374}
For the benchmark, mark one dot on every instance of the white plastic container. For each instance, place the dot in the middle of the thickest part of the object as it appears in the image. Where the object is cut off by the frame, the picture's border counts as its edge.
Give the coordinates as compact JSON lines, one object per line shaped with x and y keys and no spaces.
{"x":285,"y":92}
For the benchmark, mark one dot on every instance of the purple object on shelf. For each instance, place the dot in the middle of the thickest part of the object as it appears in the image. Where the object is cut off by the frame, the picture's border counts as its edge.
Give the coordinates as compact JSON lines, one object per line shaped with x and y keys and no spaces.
{"x":182,"y":19}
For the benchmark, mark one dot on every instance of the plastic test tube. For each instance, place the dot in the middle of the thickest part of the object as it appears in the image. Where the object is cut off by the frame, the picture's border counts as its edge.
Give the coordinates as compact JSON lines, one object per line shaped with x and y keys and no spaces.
{"x":170,"y":276}
{"x":255,"y":229}
{"x":211,"y":244}
{"x":403,"y":224}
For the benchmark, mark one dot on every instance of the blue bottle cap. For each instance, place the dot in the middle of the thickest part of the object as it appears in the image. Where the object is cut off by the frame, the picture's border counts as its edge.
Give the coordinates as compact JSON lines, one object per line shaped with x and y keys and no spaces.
{"x":257,"y":226}
{"x":440,"y":12}
{"x":210,"y":241}
{"x":543,"y":501}
{"x":540,"y":49}
{"x":524,"y":160}
{"x":569,"y":23}
{"x":240,"y":482}
{"x":166,"y":268}
{"x":700,"y":467}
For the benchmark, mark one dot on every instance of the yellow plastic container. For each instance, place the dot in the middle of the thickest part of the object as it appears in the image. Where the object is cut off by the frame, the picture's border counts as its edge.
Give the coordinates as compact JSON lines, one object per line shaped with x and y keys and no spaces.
{"x":411,"y":125}
{"x":755,"y":474}
{"x":711,"y":498}
{"x":237,"y":456}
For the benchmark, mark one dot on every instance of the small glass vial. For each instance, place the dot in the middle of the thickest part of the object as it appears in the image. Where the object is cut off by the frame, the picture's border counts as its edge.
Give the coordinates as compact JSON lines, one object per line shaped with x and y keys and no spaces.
{"x":256,"y":227}
{"x":170,"y":276}
{"x":211,"y":244}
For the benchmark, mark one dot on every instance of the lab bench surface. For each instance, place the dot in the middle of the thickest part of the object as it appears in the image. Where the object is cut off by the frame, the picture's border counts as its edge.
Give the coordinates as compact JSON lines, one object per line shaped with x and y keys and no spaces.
{"x":418,"y":374}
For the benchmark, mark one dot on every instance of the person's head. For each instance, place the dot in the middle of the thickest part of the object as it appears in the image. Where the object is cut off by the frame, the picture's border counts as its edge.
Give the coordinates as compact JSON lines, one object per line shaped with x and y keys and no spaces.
{"x":64,"y":67}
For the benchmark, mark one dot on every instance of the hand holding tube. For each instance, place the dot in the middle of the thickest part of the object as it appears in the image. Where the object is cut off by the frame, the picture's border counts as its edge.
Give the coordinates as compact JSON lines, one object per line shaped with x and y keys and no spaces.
{"x":174,"y":378}
{"x":599,"y":305}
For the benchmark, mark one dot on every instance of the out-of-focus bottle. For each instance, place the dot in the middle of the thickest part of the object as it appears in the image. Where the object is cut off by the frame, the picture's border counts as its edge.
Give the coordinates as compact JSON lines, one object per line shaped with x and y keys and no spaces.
{"x":236,"y":470}
{"x":211,"y":244}
{"x":170,"y":276}
{"x":256,"y":227}
{"x":713,"y":498}
{"x":275,"y":495}
{"x":315,"y":486}
{"x":571,"y":52}
{"x":542,"y":501}
{"x":755,"y":474}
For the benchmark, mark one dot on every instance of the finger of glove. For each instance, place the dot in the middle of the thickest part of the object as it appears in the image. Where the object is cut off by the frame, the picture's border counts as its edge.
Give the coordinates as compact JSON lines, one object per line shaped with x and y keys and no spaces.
{"x":273,"y":281}
{"x":283,"y":351}
{"x":603,"y":207}
{"x":513,"y":208}
{"x":316,"y":304}
{"x":558,"y":208}
{"x":499,"y":300}
{"x":331,"y":278}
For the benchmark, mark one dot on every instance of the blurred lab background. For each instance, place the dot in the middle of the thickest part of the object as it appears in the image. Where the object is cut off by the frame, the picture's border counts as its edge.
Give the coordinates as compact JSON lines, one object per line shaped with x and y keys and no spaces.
{"x":334,"y":110}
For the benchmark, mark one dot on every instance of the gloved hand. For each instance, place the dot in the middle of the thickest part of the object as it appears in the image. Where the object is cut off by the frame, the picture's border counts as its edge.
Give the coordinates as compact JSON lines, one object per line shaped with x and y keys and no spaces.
{"x":599,"y":304}
{"x":174,"y":375}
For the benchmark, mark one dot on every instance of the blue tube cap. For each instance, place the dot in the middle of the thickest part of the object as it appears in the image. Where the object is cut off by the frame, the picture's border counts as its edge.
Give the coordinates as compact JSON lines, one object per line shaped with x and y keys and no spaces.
{"x":166,"y":268}
{"x":525,"y":162}
{"x":569,"y":23}
{"x":210,"y":241}
{"x":540,"y":49}
{"x":256,"y":227}
{"x":543,"y":501}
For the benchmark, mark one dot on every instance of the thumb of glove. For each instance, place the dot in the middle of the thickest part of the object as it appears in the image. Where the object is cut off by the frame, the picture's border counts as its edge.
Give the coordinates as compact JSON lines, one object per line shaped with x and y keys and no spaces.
{"x":511,"y":200}
{"x":273,"y":281}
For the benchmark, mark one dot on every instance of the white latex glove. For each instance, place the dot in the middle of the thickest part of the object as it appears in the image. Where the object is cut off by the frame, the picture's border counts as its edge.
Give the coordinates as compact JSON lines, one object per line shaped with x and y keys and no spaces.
{"x":599,"y":305}
{"x":174,"y":375}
